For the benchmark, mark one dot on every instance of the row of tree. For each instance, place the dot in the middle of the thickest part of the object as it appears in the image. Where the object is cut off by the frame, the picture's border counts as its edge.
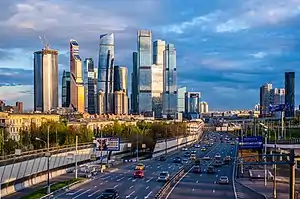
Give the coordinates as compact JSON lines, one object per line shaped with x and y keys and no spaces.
{"x":61,"y":134}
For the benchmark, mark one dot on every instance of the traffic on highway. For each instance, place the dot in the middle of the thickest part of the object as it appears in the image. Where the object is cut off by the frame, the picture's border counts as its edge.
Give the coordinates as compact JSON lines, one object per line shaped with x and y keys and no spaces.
{"x":211,"y":177}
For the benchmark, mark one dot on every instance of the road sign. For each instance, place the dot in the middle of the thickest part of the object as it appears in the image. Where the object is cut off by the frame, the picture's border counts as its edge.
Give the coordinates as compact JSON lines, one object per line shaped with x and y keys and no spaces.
{"x":107,"y":144}
{"x":251,"y":142}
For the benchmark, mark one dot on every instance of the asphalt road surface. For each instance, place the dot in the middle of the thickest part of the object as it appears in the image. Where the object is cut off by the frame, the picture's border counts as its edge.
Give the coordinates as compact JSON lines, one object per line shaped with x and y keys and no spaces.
{"x":205,"y":186}
{"x":127,"y":186}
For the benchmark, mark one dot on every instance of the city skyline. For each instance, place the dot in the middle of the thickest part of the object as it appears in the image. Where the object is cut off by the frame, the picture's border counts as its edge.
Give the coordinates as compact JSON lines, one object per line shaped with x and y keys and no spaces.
{"x":225,"y":69}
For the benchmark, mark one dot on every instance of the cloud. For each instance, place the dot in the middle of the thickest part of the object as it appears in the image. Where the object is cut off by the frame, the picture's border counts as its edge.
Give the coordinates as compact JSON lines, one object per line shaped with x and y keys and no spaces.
{"x":13,"y":76}
{"x":23,"y":93}
{"x":259,"y":55}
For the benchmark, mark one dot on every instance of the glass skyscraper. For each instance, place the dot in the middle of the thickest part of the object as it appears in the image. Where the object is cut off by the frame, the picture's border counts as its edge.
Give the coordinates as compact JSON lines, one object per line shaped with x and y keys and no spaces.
{"x":121,"y":79}
{"x":144,"y":75}
{"x":66,"y":90}
{"x":170,"y":82}
{"x":134,"y":84}
{"x":192,"y":104}
{"x":89,"y":82}
{"x":45,"y":80}
{"x":105,"y":71}
{"x":290,"y":94}
{"x":181,"y":99}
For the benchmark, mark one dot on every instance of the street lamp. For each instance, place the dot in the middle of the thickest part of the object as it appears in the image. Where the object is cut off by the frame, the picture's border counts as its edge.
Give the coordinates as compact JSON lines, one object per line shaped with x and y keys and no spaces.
{"x":48,"y":159}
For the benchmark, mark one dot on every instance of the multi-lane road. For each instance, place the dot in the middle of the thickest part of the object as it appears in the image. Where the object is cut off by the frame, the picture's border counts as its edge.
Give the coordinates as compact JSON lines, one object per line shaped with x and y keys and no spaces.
{"x":191,"y":186}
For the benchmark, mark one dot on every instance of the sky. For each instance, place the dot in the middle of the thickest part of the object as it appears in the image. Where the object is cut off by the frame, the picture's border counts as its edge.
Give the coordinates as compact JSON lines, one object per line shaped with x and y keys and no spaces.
{"x":226,"y":49}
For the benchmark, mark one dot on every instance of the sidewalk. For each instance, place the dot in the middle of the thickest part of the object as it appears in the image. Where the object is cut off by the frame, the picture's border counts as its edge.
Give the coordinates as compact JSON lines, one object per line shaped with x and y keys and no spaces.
{"x":258,"y":186}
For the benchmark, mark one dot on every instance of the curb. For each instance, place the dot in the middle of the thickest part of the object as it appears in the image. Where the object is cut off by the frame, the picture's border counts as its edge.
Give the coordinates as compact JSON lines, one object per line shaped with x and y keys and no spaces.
{"x":250,"y":188}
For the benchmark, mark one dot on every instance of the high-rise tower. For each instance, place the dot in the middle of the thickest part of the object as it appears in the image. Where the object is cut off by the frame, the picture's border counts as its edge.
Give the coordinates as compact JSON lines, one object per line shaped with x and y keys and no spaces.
{"x":170,"y":82}
{"x":45,"y":79}
{"x":145,"y":74}
{"x":134,"y":84}
{"x":105,"y":73}
{"x":66,"y":91}
{"x":76,"y":83}
{"x":89,"y":82}
{"x":290,"y":94}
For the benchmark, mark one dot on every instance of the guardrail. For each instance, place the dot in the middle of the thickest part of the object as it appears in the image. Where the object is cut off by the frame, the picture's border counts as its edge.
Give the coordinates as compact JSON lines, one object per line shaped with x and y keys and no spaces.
{"x":172,"y":182}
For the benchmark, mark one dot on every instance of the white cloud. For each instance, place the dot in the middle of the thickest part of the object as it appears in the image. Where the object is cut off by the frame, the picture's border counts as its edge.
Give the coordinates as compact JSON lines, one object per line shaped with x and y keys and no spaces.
{"x":259,"y":55}
{"x":219,"y":64}
{"x":251,"y":13}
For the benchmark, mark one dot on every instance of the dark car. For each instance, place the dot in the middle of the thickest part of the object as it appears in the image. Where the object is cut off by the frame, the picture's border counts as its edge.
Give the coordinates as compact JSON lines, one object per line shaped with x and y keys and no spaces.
{"x":196,"y":169}
{"x":162,"y":158}
{"x":109,"y":194}
{"x":177,"y":160}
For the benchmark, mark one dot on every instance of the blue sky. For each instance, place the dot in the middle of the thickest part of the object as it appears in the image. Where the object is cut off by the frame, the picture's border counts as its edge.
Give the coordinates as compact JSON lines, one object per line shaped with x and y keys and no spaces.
{"x":225,"y":48}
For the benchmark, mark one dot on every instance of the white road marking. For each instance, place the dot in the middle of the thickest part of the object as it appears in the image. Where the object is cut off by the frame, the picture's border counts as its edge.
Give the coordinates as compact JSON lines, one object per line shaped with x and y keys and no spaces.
{"x":130,"y":178}
{"x":197,"y":181}
{"x":73,"y":193}
{"x":149,"y":179}
{"x":81,"y":194}
{"x":147,"y":196}
{"x":120,"y":179}
{"x":116,"y":186}
{"x":147,"y":187}
{"x":214,"y":191}
{"x":94,"y":193}
{"x":133,"y":180}
{"x":193,"y":190}
{"x":131,"y":187}
{"x":128,"y":196}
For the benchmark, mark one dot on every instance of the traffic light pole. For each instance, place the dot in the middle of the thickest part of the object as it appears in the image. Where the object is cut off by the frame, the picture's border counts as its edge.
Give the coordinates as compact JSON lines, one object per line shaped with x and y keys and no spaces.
{"x":292,"y":174}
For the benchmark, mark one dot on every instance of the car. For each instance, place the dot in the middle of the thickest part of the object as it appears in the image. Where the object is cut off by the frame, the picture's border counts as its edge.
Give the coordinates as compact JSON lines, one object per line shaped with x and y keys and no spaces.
{"x":193,"y":151}
{"x":177,"y":160}
{"x":193,"y":156}
{"x":206,"y":157}
{"x":223,"y":180}
{"x":162,"y":158}
{"x":185,"y":160}
{"x":232,"y":143}
{"x":196,"y":145}
{"x":140,"y":166}
{"x":210,"y":169}
{"x":109,"y":194}
{"x":218,"y":155}
{"x":138,"y":174}
{"x":227,"y":160}
{"x":163,"y":177}
{"x":186,"y":154}
{"x":196,"y":169}
{"x":184,"y":149}
{"x":218,"y":163}
{"x":203,"y":149}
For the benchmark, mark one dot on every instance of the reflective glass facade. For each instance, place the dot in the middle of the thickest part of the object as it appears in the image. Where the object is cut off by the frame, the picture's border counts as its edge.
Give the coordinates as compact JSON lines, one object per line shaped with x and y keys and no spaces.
{"x":105,"y":70}
{"x":192,"y":102}
{"x":45,"y":80}
{"x":290,"y":94}
{"x":134,"y":84}
{"x":145,"y":76}
{"x":89,"y":82}
{"x":170,"y":81}
{"x":181,"y":99}
{"x":66,"y":90}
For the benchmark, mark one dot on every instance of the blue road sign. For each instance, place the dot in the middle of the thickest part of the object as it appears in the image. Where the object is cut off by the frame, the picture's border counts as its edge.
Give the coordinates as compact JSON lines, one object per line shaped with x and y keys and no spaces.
{"x":251,"y":142}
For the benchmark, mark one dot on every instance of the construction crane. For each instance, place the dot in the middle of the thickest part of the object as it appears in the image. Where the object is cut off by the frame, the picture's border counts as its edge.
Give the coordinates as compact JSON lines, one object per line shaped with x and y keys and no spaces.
{"x":44,"y":42}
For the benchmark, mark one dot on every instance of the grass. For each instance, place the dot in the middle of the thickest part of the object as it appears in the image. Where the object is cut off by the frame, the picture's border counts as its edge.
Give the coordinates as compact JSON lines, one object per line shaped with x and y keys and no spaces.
{"x":54,"y":187}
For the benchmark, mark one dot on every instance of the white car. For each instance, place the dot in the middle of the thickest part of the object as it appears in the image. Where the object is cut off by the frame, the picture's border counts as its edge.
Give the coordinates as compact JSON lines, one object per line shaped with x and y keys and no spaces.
{"x":218,"y":155}
{"x":163,"y":176}
{"x":223,"y":180}
{"x":206,"y":157}
{"x":184,"y":149}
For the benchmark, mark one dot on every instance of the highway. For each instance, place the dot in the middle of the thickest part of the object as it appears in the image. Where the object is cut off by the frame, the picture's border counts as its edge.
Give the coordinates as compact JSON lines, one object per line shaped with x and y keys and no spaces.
{"x":123,"y":181}
{"x":193,"y":186}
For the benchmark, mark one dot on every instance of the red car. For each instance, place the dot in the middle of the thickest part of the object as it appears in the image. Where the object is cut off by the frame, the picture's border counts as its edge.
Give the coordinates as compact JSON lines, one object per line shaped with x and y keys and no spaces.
{"x":196,"y":169}
{"x":138,"y":174}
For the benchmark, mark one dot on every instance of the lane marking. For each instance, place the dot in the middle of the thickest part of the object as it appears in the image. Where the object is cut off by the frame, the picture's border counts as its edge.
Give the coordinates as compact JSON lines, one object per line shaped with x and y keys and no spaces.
{"x":149,"y":179}
{"x":147,"y":187}
{"x":147,"y":196}
{"x":233,"y":175}
{"x":120,"y":179}
{"x":81,"y":194}
{"x":73,"y":193}
{"x":214,"y":191}
{"x":128,"y":196}
{"x":131,"y":187}
{"x":116,"y":186}
{"x":94,"y":193}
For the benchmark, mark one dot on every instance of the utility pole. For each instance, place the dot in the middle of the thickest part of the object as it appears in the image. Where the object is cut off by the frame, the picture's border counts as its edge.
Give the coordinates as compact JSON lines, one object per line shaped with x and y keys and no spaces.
{"x":292,"y":174}
{"x":265,"y":158}
{"x":76,"y":153}
{"x":101,"y":147}
{"x":48,"y":160}
{"x":274,"y":183}
{"x":282,"y":124}
{"x":137,"y":146}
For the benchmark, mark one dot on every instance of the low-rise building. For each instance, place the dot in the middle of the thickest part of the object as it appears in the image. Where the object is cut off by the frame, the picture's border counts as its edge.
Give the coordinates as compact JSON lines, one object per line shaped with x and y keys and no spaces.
{"x":13,"y":123}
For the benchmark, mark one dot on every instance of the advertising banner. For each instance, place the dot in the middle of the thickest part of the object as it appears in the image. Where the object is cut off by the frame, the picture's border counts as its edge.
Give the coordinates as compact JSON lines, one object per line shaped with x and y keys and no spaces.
{"x":251,"y":142}
{"x":107,"y":144}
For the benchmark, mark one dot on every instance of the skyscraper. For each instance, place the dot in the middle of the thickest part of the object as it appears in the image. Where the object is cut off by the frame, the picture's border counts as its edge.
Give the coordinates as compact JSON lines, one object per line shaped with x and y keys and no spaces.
{"x":192,"y":102}
{"x":121,"y":79}
{"x":45,"y":79}
{"x":66,"y":90}
{"x":203,"y":107}
{"x":134,"y":84}
{"x":181,"y":99}
{"x":76,"y":85}
{"x":89,"y":82}
{"x":290,"y":94}
{"x":105,"y":71}
{"x":264,"y":99}
{"x":170,"y":81}
{"x":159,"y":47}
{"x":144,"y":74}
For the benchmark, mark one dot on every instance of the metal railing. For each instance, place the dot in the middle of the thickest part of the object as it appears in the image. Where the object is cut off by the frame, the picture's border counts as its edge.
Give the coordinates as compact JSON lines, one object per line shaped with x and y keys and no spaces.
{"x":172,"y":182}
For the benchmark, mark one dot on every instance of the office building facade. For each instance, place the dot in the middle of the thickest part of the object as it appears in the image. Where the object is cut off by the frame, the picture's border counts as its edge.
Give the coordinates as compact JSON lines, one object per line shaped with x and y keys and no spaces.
{"x":203,"y":107}
{"x":134,"y":84}
{"x":66,"y":89}
{"x":170,"y":81}
{"x":120,"y":103}
{"x":105,"y":71}
{"x":290,"y":94}
{"x":89,"y":82}
{"x":76,"y":85}
{"x":265,"y":99}
{"x":121,"y":79}
{"x":181,"y":99}
{"x":144,"y":75}
{"x":192,"y":102}
{"x":45,"y":80}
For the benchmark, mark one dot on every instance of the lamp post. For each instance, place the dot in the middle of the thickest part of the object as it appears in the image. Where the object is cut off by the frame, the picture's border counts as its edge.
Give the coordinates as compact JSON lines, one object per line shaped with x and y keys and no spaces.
{"x":265,"y":158}
{"x":47,"y":144}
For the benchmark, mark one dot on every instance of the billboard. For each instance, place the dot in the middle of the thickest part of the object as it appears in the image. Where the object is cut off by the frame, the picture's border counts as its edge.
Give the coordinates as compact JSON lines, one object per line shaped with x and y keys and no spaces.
{"x":107,"y":144}
{"x":251,"y":142}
